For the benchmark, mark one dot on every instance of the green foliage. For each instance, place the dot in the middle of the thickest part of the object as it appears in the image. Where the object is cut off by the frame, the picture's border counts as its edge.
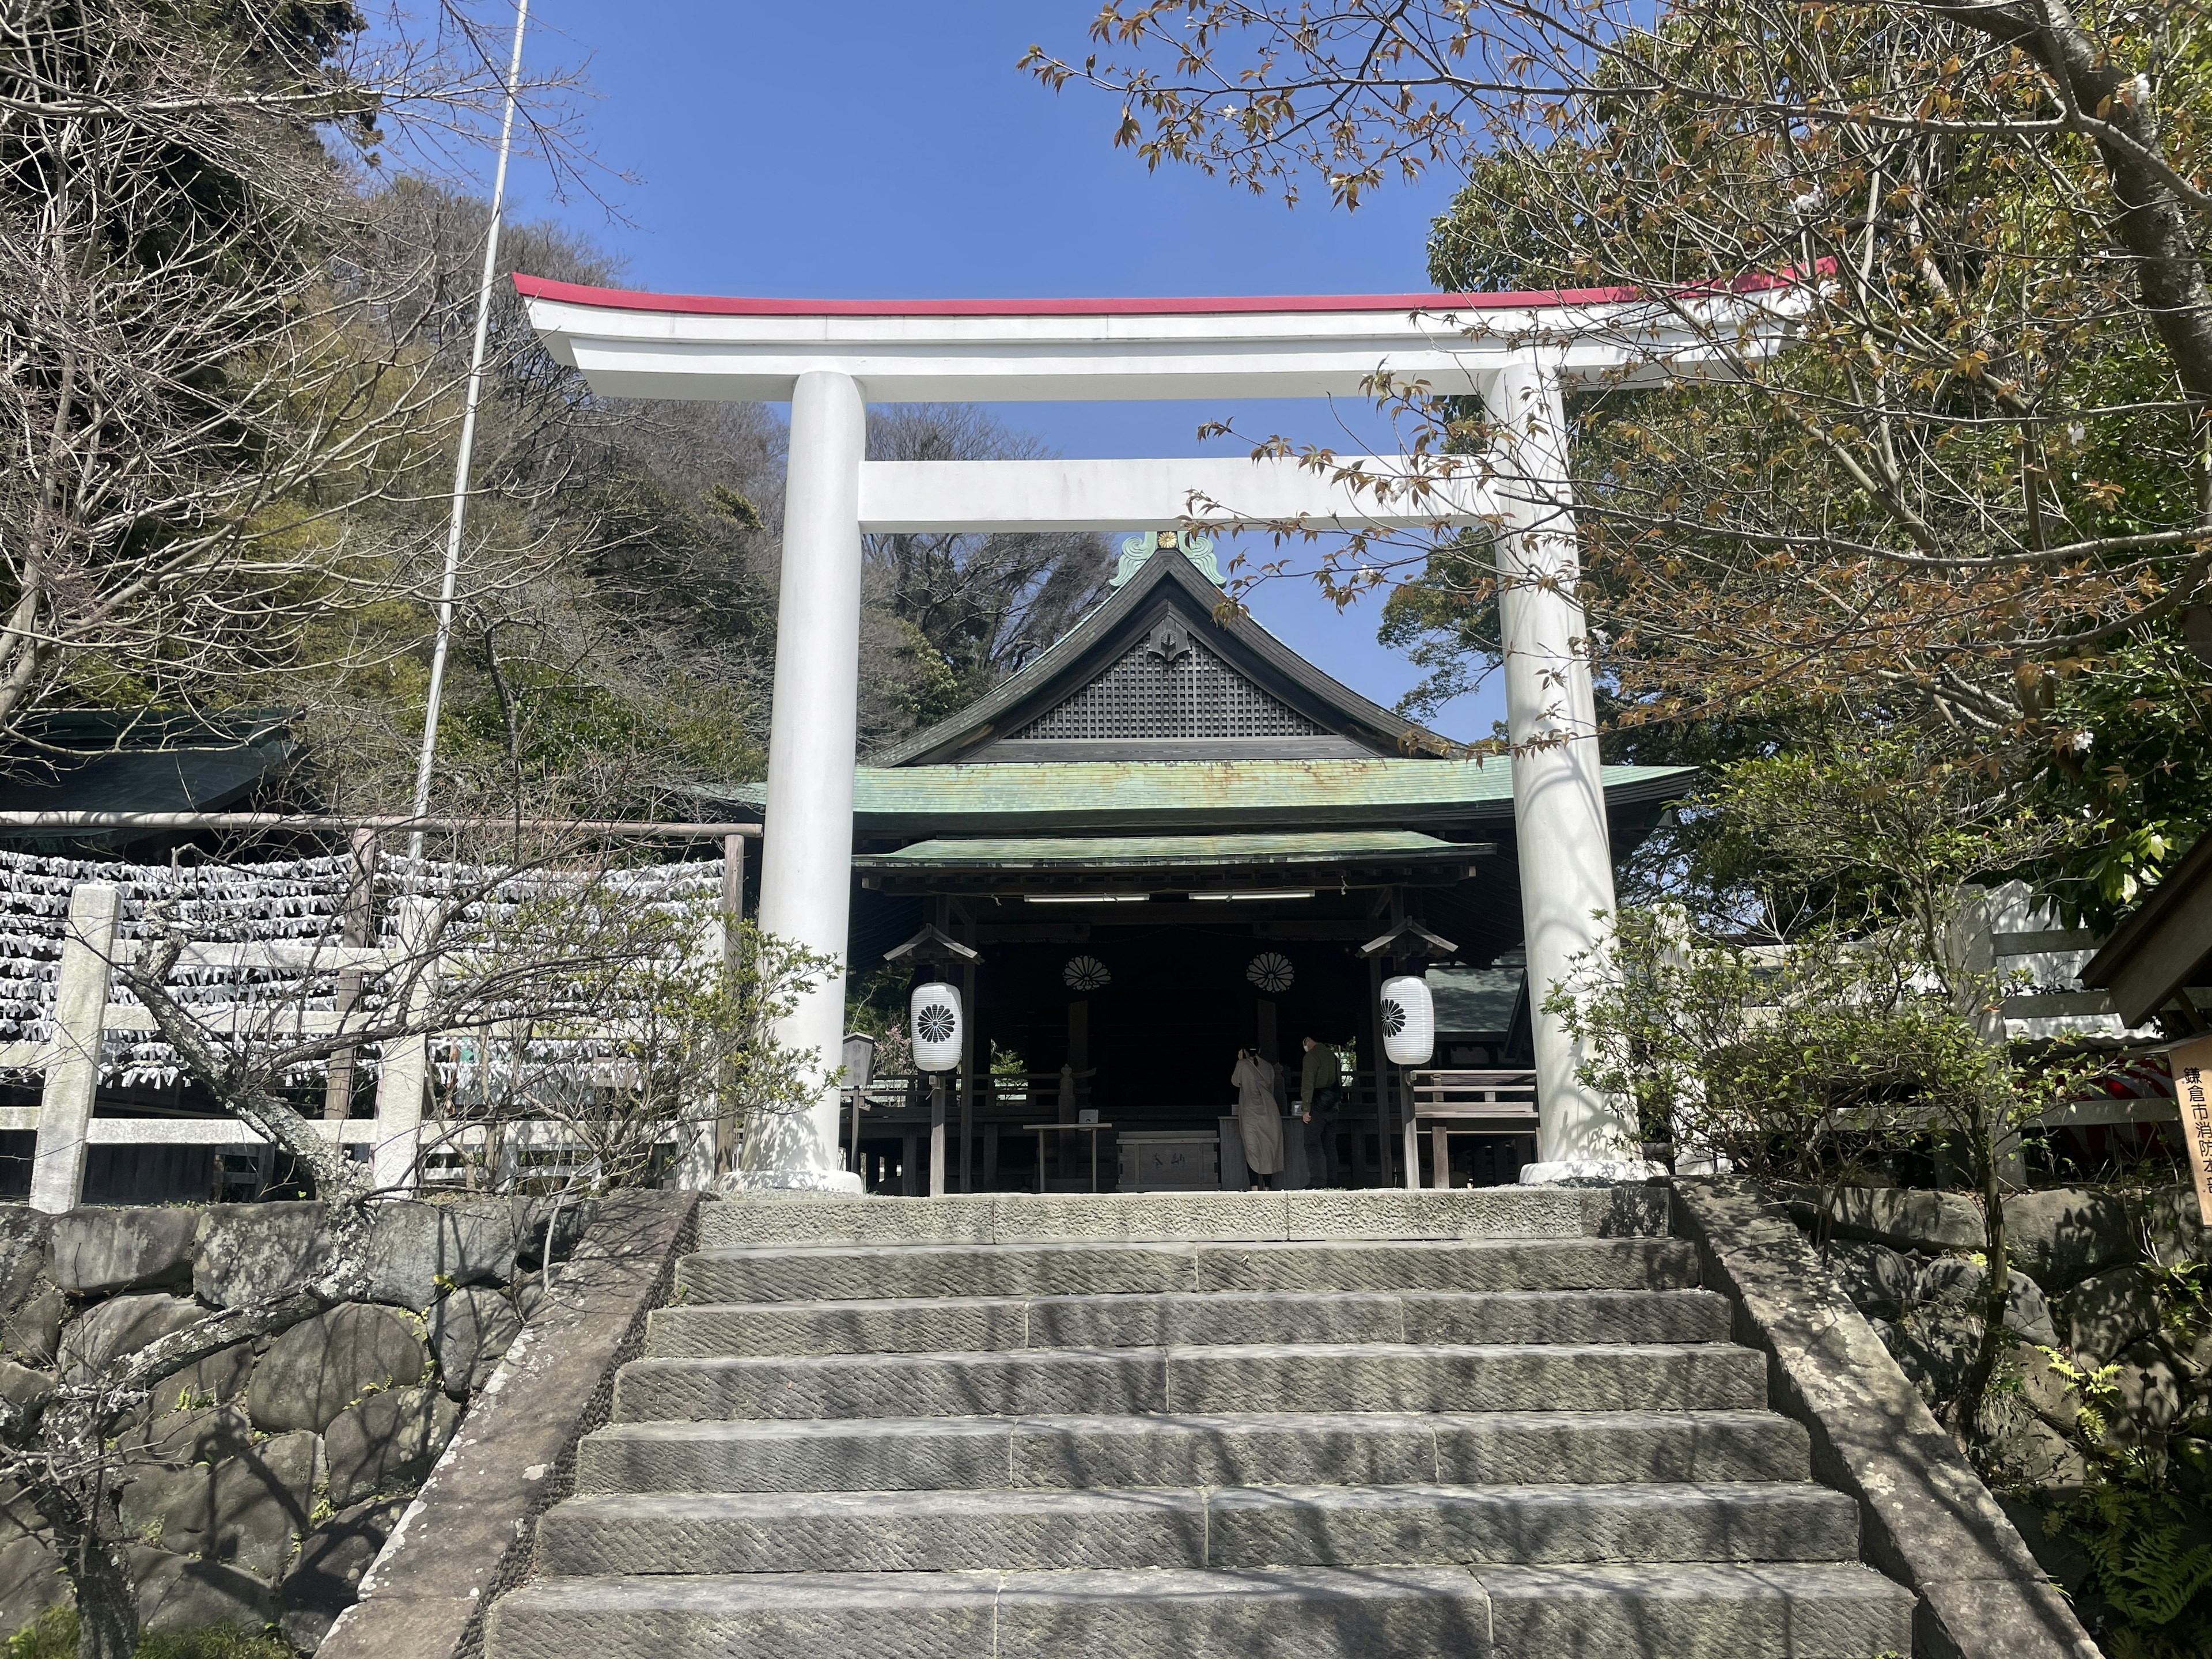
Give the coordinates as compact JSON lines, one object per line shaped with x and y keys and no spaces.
{"x":54,"y":1637}
{"x":2147,"y":1567}
{"x":876,"y":1006}
{"x":2132,"y":1515}
{"x":2131,"y":769}
{"x":1796,"y":1061}
{"x":731,"y":505}
{"x":1853,"y":831}
{"x":682,"y":1030}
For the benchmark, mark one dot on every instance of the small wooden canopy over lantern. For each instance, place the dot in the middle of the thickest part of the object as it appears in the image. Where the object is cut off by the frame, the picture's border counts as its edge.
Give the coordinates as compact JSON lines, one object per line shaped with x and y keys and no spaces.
{"x":935,"y":1020}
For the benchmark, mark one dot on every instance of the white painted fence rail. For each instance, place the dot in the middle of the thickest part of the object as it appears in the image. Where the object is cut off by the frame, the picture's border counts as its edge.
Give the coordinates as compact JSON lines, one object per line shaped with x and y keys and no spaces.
{"x":396,"y":1138}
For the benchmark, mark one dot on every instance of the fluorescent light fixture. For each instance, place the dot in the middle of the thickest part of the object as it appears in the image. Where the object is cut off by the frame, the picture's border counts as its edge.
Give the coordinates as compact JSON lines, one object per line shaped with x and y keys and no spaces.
{"x":1284,"y":893}
{"x":1085,"y":898}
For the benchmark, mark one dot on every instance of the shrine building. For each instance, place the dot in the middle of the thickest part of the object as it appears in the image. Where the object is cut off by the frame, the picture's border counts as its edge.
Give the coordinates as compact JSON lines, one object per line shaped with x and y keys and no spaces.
{"x":1166,"y":837}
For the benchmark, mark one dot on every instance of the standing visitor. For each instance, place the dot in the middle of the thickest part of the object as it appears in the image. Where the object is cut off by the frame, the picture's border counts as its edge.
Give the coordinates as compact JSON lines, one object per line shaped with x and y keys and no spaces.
{"x":1258,"y":1122}
{"x":1320,"y":1088}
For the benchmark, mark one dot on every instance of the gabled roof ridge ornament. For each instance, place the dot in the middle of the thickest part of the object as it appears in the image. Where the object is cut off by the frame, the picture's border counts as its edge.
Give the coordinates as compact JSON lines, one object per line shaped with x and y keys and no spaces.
{"x":1195,"y":545}
{"x":933,"y":943}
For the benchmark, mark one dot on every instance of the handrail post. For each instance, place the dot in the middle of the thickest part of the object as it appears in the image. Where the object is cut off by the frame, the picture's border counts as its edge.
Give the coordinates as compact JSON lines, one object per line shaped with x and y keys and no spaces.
{"x":405,"y":1067}
{"x":72,"y":1078}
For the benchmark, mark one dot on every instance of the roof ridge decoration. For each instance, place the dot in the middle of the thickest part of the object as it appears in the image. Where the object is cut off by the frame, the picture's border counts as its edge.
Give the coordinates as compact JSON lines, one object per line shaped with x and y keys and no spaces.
{"x":1197,"y":546}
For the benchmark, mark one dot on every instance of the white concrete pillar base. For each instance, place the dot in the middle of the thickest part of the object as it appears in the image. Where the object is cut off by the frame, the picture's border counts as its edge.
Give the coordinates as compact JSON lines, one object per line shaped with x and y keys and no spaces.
{"x":1590,"y":1172}
{"x":797,"y":1183}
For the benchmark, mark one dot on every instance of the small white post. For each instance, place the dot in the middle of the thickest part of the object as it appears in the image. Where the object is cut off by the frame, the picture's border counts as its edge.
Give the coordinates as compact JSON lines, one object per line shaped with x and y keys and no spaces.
{"x":73,"y":1050}
{"x":405,"y":1068}
{"x":1559,"y":789}
{"x":806,"y":856}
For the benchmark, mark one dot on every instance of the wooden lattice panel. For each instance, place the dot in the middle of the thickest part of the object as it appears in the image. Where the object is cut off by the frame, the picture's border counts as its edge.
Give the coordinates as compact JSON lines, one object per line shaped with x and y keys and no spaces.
{"x":1169,"y":684}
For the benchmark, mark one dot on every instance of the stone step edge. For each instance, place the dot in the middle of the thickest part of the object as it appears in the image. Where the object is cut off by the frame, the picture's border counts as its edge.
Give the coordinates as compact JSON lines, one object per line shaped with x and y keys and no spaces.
{"x":1296,"y":1494}
{"x":1168,"y":1527}
{"x":1155,"y":1353}
{"x":1181,"y":1298}
{"x":1553,"y":1595}
{"x":1172,"y":1248}
{"x":1007,"y":1218}
{"x":954,"y":1454}
{"x":778,"y":1428}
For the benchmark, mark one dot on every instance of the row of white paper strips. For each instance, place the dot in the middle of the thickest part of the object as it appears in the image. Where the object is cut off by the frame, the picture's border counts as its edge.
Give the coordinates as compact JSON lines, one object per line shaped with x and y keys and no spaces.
{"x":486,"y":899}
{"x":294,"y":899}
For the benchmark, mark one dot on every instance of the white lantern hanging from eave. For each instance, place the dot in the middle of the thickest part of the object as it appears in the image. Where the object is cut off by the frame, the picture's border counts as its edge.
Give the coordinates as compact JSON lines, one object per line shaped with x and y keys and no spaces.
{"x":1409,"y":1020}
{"x":934,"y":1023}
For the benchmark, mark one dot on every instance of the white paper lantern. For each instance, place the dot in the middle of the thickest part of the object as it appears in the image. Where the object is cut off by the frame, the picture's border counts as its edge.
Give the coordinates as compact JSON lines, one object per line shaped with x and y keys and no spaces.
{"x":934,"y":1022}
{"x":1409,"y":1020}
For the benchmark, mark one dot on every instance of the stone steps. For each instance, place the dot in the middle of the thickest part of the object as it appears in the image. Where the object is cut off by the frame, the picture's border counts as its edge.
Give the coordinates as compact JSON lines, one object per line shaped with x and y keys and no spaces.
{"x":864,"y":1273}
{"x":1668,"y":1610}
{"x":1383,"y":1377}
{"x":1229,"y":1526}
{"x":952,"y":1324}
{"x":948,"y":1454}
{"x":1307,"y":1425}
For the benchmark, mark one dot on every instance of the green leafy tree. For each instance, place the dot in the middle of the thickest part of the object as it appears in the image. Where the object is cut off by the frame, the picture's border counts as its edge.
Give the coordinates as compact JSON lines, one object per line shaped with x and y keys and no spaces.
{"x":1978,"y":470}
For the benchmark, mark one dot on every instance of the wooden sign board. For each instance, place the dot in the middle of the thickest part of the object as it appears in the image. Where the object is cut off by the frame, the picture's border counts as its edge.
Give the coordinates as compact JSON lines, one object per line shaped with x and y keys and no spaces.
{"x":2192,"y":1088}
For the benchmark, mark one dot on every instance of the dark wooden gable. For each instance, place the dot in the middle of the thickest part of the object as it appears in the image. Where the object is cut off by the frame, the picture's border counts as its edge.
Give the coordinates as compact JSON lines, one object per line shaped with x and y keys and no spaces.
{"x":1155,"y":674}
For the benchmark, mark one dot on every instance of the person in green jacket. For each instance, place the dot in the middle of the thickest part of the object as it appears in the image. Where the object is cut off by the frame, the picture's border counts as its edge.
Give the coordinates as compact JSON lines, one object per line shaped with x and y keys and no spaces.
{"x":1321,"y":1088}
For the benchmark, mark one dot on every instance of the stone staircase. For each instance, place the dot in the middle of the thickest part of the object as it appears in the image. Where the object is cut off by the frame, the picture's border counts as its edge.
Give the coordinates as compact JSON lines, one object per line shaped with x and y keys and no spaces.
{"x":1356,"y":1426}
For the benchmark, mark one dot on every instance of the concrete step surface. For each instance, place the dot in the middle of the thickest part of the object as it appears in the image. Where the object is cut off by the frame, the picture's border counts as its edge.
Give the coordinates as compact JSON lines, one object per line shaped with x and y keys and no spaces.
{"x":1373,"y":1377}
{"x":1663,"y":1610}
{"x":1026,"y":1218}
{"x":874,"y":1273}
{"x":948,"y":1454}
{"x":952,"y":1324}
{"x":1236,"y":1526}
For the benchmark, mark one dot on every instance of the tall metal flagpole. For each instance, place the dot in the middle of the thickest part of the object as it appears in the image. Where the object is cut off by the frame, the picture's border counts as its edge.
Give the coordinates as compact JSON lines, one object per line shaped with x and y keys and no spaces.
{"x":468,"y":444}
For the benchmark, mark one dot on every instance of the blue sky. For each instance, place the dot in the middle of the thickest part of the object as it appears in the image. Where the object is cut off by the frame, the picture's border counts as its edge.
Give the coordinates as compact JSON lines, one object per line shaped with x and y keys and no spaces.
{"x":877,"y":149}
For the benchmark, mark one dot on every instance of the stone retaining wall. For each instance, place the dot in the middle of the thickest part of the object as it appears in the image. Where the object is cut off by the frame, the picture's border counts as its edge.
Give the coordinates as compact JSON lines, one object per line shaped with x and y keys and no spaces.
{"x":264,"y":1481}
{"x":1926,"y":1518}
{"x":2086,"y":1283}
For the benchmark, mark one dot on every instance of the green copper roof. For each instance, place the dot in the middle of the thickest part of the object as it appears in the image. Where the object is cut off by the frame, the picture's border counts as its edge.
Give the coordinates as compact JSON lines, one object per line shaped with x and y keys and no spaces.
{"x":1172,"y":852}
{"x":1082,"y":795}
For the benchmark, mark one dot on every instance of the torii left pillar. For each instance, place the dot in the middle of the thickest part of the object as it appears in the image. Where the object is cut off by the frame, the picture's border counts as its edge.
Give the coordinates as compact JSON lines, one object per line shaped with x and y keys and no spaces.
{"x":813,"y":741}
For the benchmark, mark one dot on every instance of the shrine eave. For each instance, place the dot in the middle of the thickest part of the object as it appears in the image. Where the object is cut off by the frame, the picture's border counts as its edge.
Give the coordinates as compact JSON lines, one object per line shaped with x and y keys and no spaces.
{"x":1163,"y":797}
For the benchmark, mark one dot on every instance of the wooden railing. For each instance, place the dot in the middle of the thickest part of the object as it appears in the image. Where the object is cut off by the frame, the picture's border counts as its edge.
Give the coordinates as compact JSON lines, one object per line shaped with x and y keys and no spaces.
{"x":1463,"y":1103}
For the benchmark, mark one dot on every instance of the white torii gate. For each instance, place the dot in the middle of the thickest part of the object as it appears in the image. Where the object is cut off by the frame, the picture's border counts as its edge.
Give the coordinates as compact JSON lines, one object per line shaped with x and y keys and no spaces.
{"x":830,"y":358}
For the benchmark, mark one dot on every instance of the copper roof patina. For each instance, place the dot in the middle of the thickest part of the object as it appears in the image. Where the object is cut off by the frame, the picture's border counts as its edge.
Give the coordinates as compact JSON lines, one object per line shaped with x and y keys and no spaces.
{"x":1173,"y":852}
{"x":1153,"y":795}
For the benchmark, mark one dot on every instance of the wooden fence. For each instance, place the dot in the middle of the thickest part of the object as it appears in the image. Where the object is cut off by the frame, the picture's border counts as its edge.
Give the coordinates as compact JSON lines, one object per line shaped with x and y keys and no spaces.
{"x":399,"y":1139}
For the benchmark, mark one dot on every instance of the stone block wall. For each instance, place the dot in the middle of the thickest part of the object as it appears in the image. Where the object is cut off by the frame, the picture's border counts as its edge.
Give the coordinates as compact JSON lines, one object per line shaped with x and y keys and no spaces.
{"x":262,"y":1482}
{"x":2086,"y":1283}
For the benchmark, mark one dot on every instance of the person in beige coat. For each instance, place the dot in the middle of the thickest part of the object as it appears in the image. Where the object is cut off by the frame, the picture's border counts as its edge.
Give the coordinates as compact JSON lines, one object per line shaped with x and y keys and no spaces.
{"x":1259,"y":1117}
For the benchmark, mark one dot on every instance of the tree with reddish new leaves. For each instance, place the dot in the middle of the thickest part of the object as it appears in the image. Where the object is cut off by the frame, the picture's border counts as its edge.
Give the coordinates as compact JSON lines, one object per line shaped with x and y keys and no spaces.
{"x":1983,"y":467}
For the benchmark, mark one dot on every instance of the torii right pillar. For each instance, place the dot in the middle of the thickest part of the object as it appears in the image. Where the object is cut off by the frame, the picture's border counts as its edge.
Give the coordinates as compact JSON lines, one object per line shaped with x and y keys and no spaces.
{"x":1559,"y":789}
